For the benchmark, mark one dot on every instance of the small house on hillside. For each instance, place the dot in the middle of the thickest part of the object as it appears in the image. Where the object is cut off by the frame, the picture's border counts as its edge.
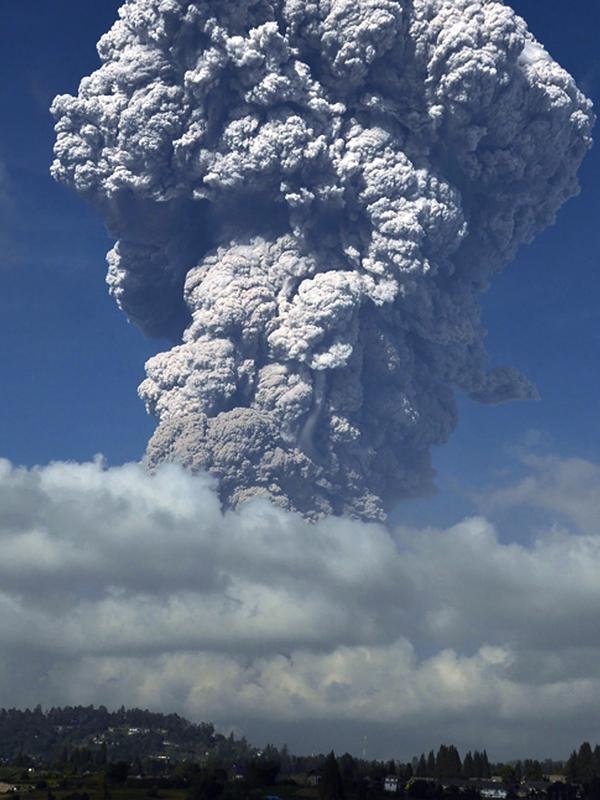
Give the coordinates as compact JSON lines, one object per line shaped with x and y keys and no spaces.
{"x":391,"y":783}
{"x":494,"y":793}
{"x":313,"y":778}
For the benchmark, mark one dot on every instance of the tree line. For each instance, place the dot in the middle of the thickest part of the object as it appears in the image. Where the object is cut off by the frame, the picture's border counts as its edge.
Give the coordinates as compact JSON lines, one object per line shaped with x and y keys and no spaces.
{"x":81,"y":735}
{"x":86,"y":738}
{"x":583,"y":765}
{"x":447,"y":764}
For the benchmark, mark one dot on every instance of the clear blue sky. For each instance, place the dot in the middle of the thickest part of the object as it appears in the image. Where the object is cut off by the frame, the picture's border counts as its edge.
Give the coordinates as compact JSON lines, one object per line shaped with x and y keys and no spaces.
{"x":71,"y":363}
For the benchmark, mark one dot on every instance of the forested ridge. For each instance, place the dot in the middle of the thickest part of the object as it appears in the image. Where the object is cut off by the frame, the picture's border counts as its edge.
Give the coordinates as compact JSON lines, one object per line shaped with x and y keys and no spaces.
{"x":89,"y":737}
{"x":103,"y":734}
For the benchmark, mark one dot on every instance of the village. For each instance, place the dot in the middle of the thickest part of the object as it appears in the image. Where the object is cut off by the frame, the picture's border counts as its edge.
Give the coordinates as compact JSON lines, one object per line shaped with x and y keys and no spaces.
{"x":261,"y":779}
{"x":90,"y":753}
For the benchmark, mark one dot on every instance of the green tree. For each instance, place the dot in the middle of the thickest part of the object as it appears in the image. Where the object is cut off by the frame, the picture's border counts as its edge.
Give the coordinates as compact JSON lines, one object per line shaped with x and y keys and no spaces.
{"x":571,"y":768}
{"x":207,"y":785}
{"x":592,"y":788}
{"x":508,"y":773}
{"x":430,"y":765}
{"x":331,"y":786}
{"x":117,"y":772}
{"x":447,"y":763}
{"x":262,"y":772}
{"x":584,"y":762}
{"x":347,"y":766}
{"x":532,"y":770}
{"x":467,"y":768}
{"x":103,"y":788}
{"x":101,"y":756}
{"x":441,"y":762}
{"x":454,"y":763}
{"x":487,"y":770}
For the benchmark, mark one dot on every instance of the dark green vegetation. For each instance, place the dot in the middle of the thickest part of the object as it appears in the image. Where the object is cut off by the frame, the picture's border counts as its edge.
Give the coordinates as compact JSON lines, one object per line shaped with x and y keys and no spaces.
{"x":98,"y":733}
{"x":88,"y":753}
{"x":583,"y":766}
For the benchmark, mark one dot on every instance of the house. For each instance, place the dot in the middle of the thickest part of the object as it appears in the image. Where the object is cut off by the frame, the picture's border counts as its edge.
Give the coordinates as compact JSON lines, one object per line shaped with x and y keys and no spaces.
{"x":391,"y":783}
{"x":532,"y":788}
{"x":494,"y":793}
{"x":313,"y":778}
{"x":487,"y":787}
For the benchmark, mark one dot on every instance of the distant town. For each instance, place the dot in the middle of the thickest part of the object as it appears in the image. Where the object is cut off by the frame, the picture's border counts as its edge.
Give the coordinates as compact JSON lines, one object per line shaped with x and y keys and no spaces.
{"x":89,"y":753}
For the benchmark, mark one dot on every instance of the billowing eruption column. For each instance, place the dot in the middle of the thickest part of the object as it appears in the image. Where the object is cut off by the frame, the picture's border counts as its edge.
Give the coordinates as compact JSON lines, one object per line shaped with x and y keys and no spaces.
{"x":309,"y":197}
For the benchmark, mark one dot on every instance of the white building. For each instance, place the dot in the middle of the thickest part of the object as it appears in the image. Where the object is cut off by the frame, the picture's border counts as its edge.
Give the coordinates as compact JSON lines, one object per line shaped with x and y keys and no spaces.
{"x":494,"y":794}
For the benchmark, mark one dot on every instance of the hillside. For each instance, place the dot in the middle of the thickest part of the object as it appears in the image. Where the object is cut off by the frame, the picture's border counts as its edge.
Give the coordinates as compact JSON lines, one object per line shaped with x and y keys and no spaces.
{"x":127,"y":734}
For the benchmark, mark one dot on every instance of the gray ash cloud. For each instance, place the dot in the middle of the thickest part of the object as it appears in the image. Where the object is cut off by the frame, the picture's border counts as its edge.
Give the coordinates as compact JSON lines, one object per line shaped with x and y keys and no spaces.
{"x":308,"y":199}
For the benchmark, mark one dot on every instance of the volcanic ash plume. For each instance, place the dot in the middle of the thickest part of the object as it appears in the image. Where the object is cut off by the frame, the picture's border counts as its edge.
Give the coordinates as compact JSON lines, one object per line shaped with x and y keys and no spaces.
{"x":309,"y":197}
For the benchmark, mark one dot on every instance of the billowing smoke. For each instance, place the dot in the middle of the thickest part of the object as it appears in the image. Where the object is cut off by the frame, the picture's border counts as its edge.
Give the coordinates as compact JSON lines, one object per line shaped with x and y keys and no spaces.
{"x":309,"y":197}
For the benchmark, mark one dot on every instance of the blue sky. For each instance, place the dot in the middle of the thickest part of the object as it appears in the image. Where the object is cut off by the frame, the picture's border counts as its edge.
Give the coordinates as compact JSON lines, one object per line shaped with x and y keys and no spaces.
{"x":71,"y":363}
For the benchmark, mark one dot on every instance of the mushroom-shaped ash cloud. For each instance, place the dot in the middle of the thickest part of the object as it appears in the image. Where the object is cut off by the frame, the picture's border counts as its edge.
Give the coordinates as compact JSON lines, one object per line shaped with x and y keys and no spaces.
{"x":309,"y":198}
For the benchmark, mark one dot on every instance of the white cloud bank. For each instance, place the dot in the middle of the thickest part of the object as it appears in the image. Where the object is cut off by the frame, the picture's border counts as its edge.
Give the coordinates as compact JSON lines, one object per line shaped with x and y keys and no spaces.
{"x":121,"y":587}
